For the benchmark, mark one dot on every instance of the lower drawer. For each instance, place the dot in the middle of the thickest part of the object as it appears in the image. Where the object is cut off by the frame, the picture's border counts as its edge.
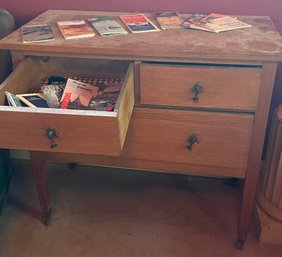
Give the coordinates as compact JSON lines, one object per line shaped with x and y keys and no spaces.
{"x":220,"y":139}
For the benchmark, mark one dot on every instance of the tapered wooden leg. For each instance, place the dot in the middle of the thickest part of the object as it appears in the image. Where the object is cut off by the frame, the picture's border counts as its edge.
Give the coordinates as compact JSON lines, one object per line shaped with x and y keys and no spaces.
{"x":39,"y":170}
{"x":246,"y":209}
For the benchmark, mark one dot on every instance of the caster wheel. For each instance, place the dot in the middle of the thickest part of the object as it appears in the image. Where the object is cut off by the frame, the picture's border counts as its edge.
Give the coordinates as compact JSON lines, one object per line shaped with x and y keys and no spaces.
{"x":48,"y":219}
{"x":72,"y":165}
{"x":232,"y":182}
{"x":239,"y":244}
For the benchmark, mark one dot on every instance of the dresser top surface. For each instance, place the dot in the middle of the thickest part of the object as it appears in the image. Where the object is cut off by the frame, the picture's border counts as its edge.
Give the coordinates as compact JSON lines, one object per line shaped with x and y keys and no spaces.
{"x":261,"y":42}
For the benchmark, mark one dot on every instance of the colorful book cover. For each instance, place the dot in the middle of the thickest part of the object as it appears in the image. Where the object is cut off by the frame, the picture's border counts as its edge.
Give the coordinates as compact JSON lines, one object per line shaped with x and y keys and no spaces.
{"x":169,"y":20}
{"x":77,"y":95}
{"x":37,"y":33}
{"x":75,"y":29}
{"x":107,"y":26}
{"x":138,"y":23}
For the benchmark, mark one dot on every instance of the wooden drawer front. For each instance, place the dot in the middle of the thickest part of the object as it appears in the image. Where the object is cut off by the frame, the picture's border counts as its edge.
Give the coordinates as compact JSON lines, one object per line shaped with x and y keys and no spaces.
{"x":223,"y":87}
{"x":161,"y":135}
{"x":77,"y":131}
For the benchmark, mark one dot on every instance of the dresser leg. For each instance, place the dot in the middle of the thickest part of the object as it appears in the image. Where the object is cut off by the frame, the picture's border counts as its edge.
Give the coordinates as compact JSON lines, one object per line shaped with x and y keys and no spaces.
{"x":246,"y":211}
{"x":39,"y":170}
{"x":239,"y":244}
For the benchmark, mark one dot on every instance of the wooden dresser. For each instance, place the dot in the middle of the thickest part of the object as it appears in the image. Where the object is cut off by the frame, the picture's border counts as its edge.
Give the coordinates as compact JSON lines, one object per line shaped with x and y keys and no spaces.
{"x":193,"y":102}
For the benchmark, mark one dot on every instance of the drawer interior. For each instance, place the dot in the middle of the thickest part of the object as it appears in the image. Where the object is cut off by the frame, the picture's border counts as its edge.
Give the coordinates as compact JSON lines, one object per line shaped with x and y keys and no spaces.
{"x":34,"y":71}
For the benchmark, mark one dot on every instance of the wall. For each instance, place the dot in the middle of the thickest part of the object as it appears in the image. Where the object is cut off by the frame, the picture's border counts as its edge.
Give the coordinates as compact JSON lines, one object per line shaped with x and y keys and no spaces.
{"x":25,"y":10}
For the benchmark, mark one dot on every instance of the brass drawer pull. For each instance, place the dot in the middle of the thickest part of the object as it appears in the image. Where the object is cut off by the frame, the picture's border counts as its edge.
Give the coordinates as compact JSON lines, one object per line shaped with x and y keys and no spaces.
{"x":192,"y":139}
{"x":197,"y":89}
{"x":51,"y":133}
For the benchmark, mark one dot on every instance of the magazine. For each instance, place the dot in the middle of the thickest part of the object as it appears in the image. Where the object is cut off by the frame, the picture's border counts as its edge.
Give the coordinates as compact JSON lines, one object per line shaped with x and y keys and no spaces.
{"x":169,"y":20}
{"x":214,"y":22}
{"x":33,"y":100}
{"x":138,"y":23}
{"x":107,"y":26}
{"x":37,"y":33}
{"x":77,"y":95}
{"x":75,"y":29}
{"x":224,"y":23}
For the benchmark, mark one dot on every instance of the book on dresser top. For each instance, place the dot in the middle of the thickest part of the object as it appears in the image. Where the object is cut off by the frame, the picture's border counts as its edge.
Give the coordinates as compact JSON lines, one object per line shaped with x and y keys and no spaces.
{"x":195,"y":22}
{"x":37,"y":33}
{"x":138,"y":23}
{"x":77,"y":94}
{"x":107,"y":26}
{"x":33,"y":100}
{"x":75,"y":29}
{"x":169,"y":20}
{"x":214,"y":22}
{"x":219,"y":22}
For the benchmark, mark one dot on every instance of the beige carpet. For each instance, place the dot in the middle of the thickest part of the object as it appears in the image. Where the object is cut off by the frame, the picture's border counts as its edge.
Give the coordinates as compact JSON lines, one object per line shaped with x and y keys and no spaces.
{"x":100,"y":212}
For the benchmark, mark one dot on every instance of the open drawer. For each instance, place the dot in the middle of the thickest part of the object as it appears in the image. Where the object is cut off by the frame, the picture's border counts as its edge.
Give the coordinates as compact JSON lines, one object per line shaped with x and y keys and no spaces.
{"x":66,"y":130}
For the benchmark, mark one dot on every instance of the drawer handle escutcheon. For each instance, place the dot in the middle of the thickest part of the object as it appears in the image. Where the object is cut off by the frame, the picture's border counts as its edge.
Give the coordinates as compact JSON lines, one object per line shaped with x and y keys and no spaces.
{"x":51,"y":133}
{"x":197,"y":89}
{"x":192,"y":139}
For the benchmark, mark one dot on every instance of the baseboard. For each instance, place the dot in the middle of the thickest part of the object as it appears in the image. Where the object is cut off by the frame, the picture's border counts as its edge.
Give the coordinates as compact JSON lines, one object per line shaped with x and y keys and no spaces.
{"x":269,"y":230}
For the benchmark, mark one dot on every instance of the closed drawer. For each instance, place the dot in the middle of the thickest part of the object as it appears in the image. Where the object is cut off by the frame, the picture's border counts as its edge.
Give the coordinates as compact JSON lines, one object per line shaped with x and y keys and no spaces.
{"x":208,"y":86}
{"x":163,"y":135}
{"x":77,"y":131}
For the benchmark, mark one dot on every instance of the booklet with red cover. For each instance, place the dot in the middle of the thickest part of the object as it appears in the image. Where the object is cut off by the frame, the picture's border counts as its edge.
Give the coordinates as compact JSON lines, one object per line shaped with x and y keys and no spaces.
{"x":138,"y":23}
